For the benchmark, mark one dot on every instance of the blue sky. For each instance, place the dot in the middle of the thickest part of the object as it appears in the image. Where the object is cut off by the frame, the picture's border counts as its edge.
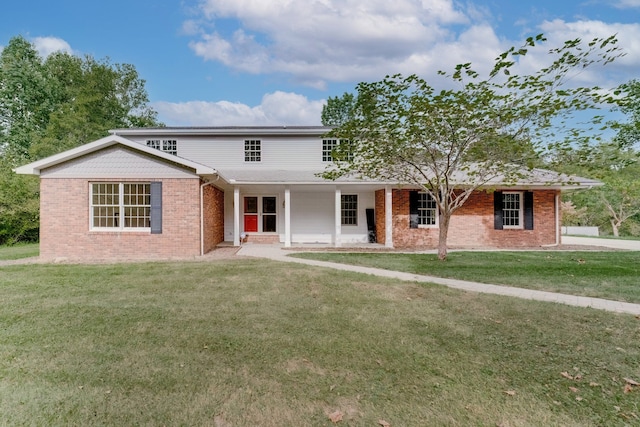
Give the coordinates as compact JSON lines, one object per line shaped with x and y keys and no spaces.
{"x":275,"y":62}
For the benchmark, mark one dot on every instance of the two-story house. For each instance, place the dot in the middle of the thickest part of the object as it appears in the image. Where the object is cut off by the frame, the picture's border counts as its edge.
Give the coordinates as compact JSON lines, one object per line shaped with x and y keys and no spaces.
{"x":180,"y":191}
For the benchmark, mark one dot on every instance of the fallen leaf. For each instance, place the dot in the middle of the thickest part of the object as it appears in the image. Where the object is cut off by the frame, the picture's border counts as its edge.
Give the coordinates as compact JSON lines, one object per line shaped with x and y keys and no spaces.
{"x":573,"y":389}
{"x":592,"y":384}
{"x":383,"y":423}
{"x":510,"y":392}
{"x":336,"y":417}
{"x":579,"y":399}
{"x":332,"y":387}
{"x":577,"y":377}
{"x":566,"y":375}
{"x":628,"y":388}
{"x":632,"y":382}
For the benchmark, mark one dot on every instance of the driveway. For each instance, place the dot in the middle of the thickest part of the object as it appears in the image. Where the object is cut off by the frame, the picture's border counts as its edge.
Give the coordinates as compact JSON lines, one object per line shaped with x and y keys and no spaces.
{"x":632,"y":245}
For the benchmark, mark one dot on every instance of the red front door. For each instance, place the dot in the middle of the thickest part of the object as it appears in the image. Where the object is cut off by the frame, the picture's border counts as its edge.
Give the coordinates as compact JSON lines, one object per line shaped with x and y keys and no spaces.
{"x":251,"y":214}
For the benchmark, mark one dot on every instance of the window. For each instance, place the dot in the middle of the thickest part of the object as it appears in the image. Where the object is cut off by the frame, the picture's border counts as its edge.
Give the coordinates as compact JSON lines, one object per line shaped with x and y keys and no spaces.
{"x":122,"y":205}
{"x":252,"y":150}
{"x":427,"y":210}
{"x":328,"y":147}
{"x":167,"y":145}
{"x":423,"y":210}
{"x":349,"y":209}
{"x":511,"y":210}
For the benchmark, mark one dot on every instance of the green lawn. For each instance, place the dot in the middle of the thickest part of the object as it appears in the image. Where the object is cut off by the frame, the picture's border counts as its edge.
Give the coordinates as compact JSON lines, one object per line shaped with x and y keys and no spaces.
{"x":608,"y":274}
{"x":259,"y":343}
{"x":23,"y":250}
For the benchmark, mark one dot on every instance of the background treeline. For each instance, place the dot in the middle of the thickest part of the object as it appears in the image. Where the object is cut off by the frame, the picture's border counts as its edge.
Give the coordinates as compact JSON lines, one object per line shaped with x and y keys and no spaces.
{"x":48,"y":105}
{"x":615,"y":206}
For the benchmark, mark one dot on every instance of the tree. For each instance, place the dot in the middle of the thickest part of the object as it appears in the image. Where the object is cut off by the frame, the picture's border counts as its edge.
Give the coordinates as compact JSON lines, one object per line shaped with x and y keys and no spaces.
{"x":451,"y":142}
{"x":338,"y":110}
{"x":48,"y":106}
{"x":629,"y":132}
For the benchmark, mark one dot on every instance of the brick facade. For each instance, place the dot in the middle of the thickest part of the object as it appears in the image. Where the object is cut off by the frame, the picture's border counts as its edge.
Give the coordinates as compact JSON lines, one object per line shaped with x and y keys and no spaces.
{"x":472,"y":225}
{"x":213,"y":201}
{"x":64,"y":223}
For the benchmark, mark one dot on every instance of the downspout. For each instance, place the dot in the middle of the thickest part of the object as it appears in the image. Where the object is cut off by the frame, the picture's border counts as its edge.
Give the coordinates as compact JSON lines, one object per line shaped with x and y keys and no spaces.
{"x":558,"y":225}
{"x":202,"y":212}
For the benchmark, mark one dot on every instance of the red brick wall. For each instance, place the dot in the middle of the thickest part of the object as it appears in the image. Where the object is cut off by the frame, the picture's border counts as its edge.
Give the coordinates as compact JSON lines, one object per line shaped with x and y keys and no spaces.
{"x":472,"y":224}
{"x":64,"y":224}
{"x":213,"y":199}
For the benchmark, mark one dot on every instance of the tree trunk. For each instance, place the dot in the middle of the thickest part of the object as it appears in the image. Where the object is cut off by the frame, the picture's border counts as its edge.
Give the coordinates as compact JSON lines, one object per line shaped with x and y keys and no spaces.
{"x":442,"y":236}
{"x":614,"y":226}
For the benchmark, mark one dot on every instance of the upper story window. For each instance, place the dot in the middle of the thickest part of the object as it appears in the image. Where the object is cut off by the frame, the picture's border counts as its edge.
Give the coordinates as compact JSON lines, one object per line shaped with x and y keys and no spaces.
{"x":252,"y":150}
{"x":329,"y":145}
{"x":512,"y":209}
{"x":167,"y":145}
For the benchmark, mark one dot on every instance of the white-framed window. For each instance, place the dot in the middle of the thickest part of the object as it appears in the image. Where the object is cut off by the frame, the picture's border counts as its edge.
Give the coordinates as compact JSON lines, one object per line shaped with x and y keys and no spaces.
{"x":427,"y":211}
{"x":349,"y":209}
{"x":512,"y":209}
{"x":120,"y":206}
{"x":252,"y":150}
{"x":328,"y":145}
{"x":167,"y":145}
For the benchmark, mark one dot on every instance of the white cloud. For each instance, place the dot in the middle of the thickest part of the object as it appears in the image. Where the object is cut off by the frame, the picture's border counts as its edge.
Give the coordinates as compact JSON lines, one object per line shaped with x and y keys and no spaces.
{"x":276,"y":109}
{"x":317,"y":42}
{"x":627,"y":4}
{"x":48,"y":45}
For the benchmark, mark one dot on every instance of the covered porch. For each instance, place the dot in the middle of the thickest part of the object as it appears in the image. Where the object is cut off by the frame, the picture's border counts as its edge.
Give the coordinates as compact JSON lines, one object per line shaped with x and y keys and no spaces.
{"x":308,"y":214}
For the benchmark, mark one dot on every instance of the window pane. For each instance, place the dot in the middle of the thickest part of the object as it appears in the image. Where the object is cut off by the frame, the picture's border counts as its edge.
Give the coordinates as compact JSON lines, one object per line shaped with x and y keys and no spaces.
{"x":511,"y":209}
{"x":427,"y":209}
{"x":268,"y":205}
{"x":251,"y":205}
{"x":252,"y":150}
{"x":349,"y":209}
{"x":268,"y":223}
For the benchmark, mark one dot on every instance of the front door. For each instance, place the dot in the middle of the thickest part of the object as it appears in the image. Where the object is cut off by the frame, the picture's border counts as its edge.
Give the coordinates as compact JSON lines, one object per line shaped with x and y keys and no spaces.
{"x":264,"y":207}
{"x":251,"y":214}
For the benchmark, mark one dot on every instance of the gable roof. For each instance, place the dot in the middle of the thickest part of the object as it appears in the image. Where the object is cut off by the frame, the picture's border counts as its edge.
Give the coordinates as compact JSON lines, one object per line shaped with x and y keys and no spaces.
{"x":36,"y":167}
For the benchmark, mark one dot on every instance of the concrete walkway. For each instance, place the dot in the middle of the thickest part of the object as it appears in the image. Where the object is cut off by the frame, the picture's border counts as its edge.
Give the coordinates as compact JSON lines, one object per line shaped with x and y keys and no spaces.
{"x":277,"y":253}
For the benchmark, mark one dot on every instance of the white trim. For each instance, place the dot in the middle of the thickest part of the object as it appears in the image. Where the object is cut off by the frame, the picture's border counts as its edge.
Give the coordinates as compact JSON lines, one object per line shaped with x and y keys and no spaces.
{"x":36,"y":167}
{"x":121,"y":208}
{"x":236,"y":216}
{"x":388,"y":217}
{"x":520,"y":225}
{"x":338,"y":218}
{"x":287,"y":217}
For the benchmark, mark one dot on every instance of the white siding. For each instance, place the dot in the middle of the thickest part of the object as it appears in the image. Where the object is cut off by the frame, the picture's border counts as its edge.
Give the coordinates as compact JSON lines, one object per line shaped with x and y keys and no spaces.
{"x":227,"y":152}
{"x":312,"y":216}
{"x":116,"y":162}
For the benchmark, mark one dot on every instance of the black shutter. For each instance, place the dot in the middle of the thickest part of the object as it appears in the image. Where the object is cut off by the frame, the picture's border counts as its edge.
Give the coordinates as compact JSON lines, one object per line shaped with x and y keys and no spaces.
{"x":497,"y":210}
{"x":156,"y":208}
{"x":413,"y":209}
{"x":528,"y":210}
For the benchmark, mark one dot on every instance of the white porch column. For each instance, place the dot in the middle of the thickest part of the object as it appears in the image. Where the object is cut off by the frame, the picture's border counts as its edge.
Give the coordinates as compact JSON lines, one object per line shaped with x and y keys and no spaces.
{"x":338,"y":218}
{"x":236,"y":216}
{"x":287,"y":217}
{"x":388,"y":217}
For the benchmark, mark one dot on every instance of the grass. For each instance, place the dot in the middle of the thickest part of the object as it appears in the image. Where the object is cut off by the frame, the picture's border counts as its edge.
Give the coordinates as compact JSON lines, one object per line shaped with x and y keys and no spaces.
{"x":22,"y":250}
{"x":608,"y":274}
{"x":255,"y":342}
